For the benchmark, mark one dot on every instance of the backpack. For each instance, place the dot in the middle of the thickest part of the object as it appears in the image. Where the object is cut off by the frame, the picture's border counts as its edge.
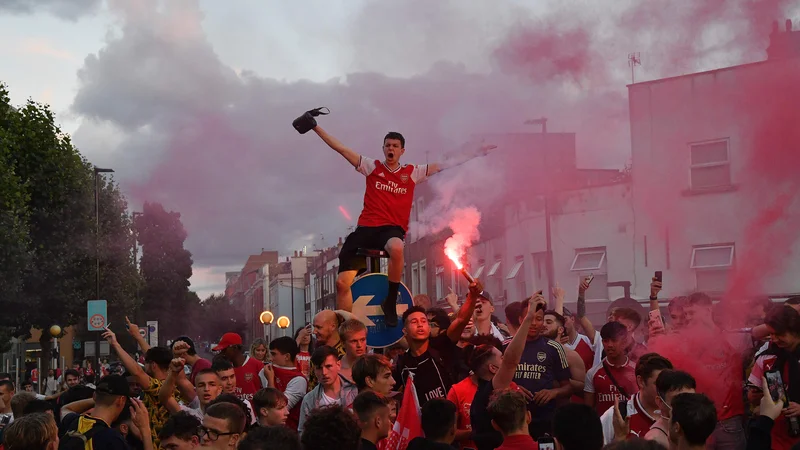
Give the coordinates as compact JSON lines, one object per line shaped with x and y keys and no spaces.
{"x":75,"y":440}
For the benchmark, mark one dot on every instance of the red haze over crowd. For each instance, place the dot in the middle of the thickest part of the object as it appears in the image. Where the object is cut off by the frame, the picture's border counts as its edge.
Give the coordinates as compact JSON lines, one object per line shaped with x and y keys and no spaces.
{"x":216,"y":143}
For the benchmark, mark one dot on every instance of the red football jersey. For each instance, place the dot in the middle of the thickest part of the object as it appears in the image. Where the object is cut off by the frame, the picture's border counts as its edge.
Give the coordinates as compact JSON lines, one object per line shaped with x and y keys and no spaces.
{"x":605,"y":391}
{"x":389,"y":194}
{"x":640,"y":420}
{"x":247,"y":380}
{"x":282,"y":378}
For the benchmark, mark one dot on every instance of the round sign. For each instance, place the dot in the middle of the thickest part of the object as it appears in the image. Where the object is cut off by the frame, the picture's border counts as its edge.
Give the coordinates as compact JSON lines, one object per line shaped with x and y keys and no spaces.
{"x":142,"y":333}
{"x":76,"y":345}
{"x":369,"y":291}
{"x":98,"y":321}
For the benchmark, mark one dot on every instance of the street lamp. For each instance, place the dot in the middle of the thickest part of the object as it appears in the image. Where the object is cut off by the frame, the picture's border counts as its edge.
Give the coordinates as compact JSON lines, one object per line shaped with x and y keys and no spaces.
{"x":283,"y":323}
{"x":266,"y":317}
{"x":97,"y":172}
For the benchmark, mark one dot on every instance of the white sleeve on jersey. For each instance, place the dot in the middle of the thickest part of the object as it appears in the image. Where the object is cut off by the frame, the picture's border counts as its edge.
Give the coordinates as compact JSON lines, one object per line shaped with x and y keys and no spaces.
{"x":420,"y":173}
{"x":366,"y":166}
{"x":598,"y":349}
{"x":588,"y":385}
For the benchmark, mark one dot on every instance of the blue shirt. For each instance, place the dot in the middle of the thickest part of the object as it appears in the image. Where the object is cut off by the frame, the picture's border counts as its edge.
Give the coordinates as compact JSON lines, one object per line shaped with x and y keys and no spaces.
{"x":543,"y":366}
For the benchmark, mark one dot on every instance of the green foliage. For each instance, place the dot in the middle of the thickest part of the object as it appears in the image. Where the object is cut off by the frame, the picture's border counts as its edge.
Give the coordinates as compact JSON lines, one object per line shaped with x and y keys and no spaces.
{"x":219,"y":317}
{"x":166,"y":268}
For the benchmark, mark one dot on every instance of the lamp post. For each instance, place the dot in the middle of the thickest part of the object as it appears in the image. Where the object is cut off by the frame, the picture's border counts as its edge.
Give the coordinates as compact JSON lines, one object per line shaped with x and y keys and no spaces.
{"x":549,"y":263}
{"x":283,"y":323}
{"x":97,"y":172}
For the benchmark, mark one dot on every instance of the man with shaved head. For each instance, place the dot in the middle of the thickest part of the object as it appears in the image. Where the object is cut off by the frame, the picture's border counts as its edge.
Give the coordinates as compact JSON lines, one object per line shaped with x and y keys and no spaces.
{"x":326,"y":331}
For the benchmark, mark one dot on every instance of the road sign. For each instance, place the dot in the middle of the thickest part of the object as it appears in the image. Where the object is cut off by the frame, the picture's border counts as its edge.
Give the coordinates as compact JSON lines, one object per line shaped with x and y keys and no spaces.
{"x":97,"y":314}
{"x":369,"y":292}
{"x":152,"y":331}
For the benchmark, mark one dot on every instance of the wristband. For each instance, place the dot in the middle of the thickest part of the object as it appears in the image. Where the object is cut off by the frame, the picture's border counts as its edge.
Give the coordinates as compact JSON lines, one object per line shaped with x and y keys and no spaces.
{"x":653,"y":298}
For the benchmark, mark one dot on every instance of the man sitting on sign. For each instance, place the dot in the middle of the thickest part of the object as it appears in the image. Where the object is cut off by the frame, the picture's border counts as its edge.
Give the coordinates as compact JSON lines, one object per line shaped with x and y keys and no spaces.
{"x":383,"y":222}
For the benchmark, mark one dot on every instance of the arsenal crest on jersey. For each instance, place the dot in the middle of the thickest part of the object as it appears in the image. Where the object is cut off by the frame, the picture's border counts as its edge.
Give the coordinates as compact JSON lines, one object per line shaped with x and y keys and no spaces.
{"x":404,"y":177}
{"x":541,"y":356}
{"x":248,"y":377}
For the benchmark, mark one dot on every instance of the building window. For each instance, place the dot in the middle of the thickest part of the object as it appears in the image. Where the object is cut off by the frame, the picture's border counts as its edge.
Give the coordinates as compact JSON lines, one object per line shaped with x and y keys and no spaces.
{"x":517,"y":276}
{"x":423,"y":277}
{"x":414,"y":279}
{"x":495,"y":267}
{"x":592,"y":261}
{"x":439,"y":282}
{"x":710,"y":165}
{"x":479,"y":271}
{"x":712,"y":265}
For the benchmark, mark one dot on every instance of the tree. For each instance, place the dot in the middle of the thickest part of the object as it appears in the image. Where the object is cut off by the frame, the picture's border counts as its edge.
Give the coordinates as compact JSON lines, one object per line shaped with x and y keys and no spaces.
{"x":53,"y":204}
{"x":218,"y":318}
{"x":165,"y":266}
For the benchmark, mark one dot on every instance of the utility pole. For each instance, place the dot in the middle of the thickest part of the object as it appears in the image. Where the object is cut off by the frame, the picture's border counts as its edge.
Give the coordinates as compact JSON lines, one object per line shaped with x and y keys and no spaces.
{"x":634,"y":59}
{"x":547,"y":230}
{"x":97,"y":172}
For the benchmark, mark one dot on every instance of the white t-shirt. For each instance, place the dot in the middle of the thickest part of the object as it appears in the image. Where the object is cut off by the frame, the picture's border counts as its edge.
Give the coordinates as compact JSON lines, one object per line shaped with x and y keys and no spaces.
{"x":325,"y":401}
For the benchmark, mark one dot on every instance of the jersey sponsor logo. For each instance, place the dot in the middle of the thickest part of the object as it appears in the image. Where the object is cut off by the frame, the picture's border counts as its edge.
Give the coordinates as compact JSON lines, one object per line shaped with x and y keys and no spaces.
{"x":527,"y":371}
{"x":391,"y":187}
{"x":541,"y":356}
{"x":404,"y":177}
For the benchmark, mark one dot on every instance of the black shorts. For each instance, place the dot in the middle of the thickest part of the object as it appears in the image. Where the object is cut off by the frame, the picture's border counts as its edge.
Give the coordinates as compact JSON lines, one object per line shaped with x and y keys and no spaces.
{"x":366,"y":237}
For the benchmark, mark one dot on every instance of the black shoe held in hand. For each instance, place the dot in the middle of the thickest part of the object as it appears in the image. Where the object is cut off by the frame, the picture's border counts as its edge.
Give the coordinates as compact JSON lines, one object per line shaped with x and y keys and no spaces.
{"x":307,"y":122}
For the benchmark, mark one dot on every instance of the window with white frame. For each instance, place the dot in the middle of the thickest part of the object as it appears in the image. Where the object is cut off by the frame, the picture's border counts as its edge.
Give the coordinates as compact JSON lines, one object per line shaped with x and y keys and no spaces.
{"x":517,"y":276}
{"x":414,"y":279}
{"x":478,"y":271}
{"x":494,"y":269}
{"x":423,"y":276}
{"x":712,"y":265}
{"x":440,"y":283}
{"x":710,"y":165}
{"x":592,"y":261}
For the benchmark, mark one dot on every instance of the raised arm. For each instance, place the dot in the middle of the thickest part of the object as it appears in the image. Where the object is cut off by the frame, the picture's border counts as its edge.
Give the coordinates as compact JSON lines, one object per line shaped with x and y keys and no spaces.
{"x":465,"y":313}
{"x":130,"y":364}
{"x":513,"y":354}
{"x":165,"y":394}
{"x":584,"y":321}
{"x":133,"y":330}
{"x":351,"y":156}
{"x":459,"y":158}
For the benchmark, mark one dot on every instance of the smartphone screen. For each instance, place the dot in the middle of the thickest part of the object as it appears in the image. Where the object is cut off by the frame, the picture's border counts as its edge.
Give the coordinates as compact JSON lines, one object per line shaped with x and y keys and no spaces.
{"x":775,"y":383}
{"x":546,"y":443}
{"x":659,"y":276}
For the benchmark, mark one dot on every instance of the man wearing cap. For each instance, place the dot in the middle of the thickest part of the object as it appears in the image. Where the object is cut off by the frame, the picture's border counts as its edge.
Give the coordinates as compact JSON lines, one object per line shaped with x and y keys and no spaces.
{"x":482,"y":317}
{"x":111,"y":397}
{"x":183,"y":347}
{"x":246,"y":368}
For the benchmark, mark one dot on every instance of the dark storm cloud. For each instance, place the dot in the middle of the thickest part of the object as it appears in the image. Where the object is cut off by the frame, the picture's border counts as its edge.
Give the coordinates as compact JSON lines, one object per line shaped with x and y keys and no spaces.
{"x":218,"y":146}
{"x":65,"y":9}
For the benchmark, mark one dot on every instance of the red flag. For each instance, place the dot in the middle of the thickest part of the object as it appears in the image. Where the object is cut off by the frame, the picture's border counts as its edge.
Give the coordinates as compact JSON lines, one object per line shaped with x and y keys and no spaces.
{"x":408,"y":424}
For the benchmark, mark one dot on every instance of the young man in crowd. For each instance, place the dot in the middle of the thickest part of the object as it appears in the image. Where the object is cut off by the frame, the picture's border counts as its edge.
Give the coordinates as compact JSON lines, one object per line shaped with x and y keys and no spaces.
{"x":354,"y":335}
{"x":693,"y":421}
{"x":641,"y":407}
{"x":432,"y":360}
{"x":783,"y":324}
{"x":438,"y":425}
{"x":226,"y":373}
{"x":372,"y":410}
{"x":331,"y":428}
{"x":438,"y":320}
{"x":373,"y":372}
{"x":284,"y":375}
{"x":571,"y":339}
{"x":544,"y":371}
{"x":553,"y":329}
{"x":150,"y":379}
{"x":35,"y":432}
{"x":482,"y":318}
{"x":7,"y":391}
{"x":577,"y":427}
{"x":223,"y":426}
{"x":246,"y":368}
{"x":207,"y":387}
{"x":180,"y":432}
{"x":183,"y":347}
{"x":333,"y":389}
{"x":383,"y":223}
{"x":271,"y":407}
{"x":614,"y":379}
{"x":326,"y":331}
{"x":668,"y":384}
{"x":510,"y":416}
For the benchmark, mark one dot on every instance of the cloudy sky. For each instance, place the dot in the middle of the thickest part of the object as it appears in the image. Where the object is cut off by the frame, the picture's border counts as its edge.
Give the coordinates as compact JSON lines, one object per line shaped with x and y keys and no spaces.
{"x":191,"y":101}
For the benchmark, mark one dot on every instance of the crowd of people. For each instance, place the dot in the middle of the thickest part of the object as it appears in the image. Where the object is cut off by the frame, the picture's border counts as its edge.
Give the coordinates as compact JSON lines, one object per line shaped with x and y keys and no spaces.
{"x":546,"y":378}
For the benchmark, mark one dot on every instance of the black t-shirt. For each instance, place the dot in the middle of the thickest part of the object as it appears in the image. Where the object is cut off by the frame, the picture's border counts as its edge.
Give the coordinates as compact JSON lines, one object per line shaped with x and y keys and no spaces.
{"x":367,"y":445}
{"x":433,"y":370}
{"x":484,"y":435}
{"x":106,"y":438}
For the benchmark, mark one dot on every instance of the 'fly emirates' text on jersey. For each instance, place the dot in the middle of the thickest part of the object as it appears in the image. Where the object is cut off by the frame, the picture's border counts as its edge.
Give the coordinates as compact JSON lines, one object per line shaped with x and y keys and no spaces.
{"x":247,"y":379}
{"x":389,"y":194}
{"x":606,"y":392}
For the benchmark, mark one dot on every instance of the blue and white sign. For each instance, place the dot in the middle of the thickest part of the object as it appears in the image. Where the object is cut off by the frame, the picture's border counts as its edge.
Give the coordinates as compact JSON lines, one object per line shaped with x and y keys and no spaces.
{"x":369,"y":292}
{"x":97,"y":314}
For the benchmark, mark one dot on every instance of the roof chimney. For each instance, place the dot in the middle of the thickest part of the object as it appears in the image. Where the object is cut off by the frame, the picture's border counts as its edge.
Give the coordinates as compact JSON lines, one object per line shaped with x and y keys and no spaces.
{"x":295,"y":253}
{"x":783,"y":44}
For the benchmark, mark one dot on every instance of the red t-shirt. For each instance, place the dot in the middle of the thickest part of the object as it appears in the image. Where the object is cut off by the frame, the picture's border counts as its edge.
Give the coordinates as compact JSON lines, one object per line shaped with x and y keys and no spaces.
{"x":247,"y":380}
{"x":389,"y":194}
{"x":518,"y":442}
{"x":640,"y":420}
{"x":282,"y":379}
{"x":303,"y":362}
{"x":605,"y":391}
{"x":461,"y":394}
{"x":584,"y":349}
